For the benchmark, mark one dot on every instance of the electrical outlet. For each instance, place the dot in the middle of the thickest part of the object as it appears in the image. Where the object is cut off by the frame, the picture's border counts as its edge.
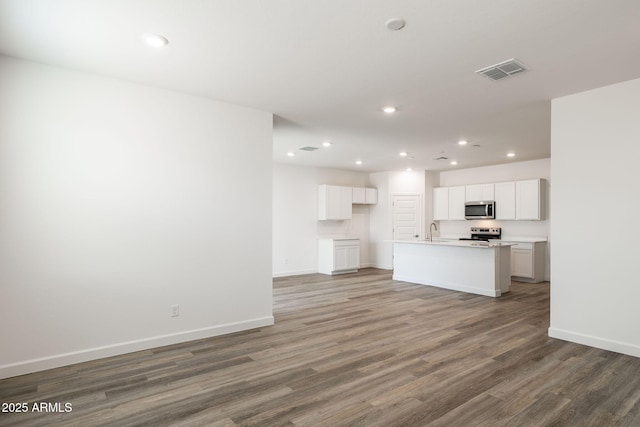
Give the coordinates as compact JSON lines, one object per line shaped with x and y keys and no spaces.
{"x":175,"y":310}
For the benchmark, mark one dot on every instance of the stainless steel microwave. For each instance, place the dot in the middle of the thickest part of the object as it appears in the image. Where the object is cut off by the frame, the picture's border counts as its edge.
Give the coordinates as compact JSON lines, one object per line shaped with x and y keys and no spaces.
{"x":480,"y":210}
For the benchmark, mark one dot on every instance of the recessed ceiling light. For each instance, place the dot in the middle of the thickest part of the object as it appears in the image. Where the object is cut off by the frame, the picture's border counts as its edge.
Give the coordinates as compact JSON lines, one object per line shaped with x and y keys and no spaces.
{"x":358,"y":162}
{"x":403,"y":154}
{"x":454,"y":163}
{"x":155,"y":40}
{"x":291,"y":154}
{"x":409,"y":169}
{"x":389,"y":109}
{"x":326,"y":144}
{"x":463,"y":142}
{"x":395,"y":24}
{"x":511,"y":154}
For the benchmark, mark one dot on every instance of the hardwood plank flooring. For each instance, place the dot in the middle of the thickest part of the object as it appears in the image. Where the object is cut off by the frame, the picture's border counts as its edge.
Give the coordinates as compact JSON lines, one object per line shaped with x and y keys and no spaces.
{"x":354,"y":350}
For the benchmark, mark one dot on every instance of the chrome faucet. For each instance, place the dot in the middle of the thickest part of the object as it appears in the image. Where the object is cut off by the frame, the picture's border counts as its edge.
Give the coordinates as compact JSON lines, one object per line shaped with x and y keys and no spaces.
{"x":433,"y":224}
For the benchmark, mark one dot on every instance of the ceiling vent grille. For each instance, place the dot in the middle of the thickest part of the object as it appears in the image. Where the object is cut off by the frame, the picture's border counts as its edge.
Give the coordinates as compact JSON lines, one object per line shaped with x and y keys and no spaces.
{"x":308,"y":148}
{"x":441,"y":158}
{"x":502,"y":70}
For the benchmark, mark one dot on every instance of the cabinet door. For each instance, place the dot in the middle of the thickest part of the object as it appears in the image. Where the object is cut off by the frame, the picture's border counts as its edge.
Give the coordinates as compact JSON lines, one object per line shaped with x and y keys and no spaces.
{"x":479,"y":192}
{"x":359,"y":195}
{"x":334,"y":202}
{"x":346,"y":257}
{"x":353,"y":257}
{"x":346,"y":200}
{"x":440,"y":203}
{"x":522,"y":263}
{"x":487,"y":191}
{"x":340,"y":258}
{"x":472,"y":193}
{"x":371,"y":196}
{"x":505,"y":197}
{"x":456,"y":202}
{"x":528,"y":199}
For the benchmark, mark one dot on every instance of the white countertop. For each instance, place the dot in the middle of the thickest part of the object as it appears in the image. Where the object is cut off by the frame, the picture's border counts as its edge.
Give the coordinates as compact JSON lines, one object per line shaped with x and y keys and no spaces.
{"x":523,"y":239}
{"x":516,"y":239}
{"x":337,"y":237}
{"x":457,"y":243}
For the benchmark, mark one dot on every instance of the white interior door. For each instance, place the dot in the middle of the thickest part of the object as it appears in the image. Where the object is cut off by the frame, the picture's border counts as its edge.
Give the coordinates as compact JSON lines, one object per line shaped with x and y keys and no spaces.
{"x":407,"y":217}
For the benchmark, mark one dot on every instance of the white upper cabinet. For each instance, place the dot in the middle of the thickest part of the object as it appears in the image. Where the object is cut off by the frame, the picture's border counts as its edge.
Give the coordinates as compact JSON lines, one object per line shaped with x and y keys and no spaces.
{"x":359,"y":195}
{"x":519,"y":200}
{"x":364,"y":196}
{"x":479,"y":192}
{"x":371,"y":196}
{"x":505,"y":197}
{"x":529,"y":197}
{"x":334,"y":202}
{"x":456,"y":202}
{"x":448,"y":203}
{"x":441,"y":203}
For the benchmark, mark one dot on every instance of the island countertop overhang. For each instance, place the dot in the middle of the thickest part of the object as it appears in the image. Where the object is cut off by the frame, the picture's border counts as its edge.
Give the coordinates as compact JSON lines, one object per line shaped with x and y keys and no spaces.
{"x":456,"y":243}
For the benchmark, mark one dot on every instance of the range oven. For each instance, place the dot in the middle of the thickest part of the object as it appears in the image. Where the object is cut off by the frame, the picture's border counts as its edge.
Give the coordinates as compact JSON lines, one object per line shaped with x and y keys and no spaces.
{"x":484,"y":234}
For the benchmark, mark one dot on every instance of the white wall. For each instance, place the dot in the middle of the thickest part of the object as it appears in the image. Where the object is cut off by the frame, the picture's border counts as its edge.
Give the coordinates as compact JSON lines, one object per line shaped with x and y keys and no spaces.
{"x":595,"y":152}
{"x":380,"y":224}
{"x":295,"y":217}
{"x":118,"y":200}
{"x":381,"y":221}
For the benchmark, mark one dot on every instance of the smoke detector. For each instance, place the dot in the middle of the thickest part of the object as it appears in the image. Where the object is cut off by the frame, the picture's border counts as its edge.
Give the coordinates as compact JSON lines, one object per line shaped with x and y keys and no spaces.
{"x":395,"y":24}
{"x":502,"y":70}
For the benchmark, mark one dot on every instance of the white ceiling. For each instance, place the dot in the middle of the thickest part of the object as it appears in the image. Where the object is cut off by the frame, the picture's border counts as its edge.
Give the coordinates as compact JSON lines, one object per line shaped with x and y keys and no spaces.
{"x":326,"y":67}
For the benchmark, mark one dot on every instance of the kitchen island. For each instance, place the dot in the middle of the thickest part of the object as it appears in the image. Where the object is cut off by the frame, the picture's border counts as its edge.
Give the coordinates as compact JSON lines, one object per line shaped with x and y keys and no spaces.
{"x":476,"y":267}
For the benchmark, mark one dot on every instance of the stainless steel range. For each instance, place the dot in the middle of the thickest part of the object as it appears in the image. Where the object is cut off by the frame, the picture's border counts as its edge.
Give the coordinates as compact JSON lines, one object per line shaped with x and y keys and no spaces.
{"x":484,"y":233}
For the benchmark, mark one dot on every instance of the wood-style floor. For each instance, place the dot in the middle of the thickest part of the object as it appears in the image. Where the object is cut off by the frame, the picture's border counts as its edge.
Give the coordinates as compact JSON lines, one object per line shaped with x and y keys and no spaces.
{"x":355,"y":350}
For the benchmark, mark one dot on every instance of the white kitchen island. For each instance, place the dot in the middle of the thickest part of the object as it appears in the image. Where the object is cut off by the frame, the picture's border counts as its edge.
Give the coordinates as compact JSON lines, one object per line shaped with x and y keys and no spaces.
{"x":475,"y":267}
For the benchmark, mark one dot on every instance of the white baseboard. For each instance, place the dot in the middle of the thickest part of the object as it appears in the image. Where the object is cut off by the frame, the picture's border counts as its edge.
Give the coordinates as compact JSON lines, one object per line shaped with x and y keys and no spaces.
{"x":597,"y":342}
{"x":450,"y":286}
{"x":293,"y":273}
{"x":58,"y":360}
{"x":382,"y":266}
{"x":301,"y":272}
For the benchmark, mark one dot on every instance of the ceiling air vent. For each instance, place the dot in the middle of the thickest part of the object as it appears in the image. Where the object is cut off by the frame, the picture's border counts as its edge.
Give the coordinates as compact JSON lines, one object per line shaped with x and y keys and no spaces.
{"x":441,"y":158}
{"x":308,"y":148}
{"x":502,"y":70}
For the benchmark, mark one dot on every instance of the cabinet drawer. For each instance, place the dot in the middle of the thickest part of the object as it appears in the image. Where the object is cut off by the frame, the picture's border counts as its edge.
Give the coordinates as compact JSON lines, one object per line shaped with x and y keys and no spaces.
{"x":349,"y":242}
{"x":524,"y":246}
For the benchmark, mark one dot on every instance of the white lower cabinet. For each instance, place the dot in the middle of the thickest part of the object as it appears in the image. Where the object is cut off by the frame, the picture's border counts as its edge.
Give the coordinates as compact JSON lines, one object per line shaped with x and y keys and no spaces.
{"x":337,"y":256}
{"x":528,"y":261}
{"x":522,"y":262}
